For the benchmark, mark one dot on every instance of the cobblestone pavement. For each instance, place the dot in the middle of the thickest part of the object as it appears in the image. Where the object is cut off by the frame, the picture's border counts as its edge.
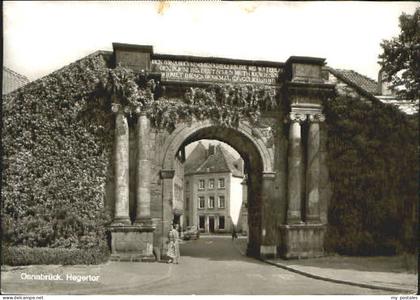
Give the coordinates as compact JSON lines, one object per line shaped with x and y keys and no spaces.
{"x":209,"y":266}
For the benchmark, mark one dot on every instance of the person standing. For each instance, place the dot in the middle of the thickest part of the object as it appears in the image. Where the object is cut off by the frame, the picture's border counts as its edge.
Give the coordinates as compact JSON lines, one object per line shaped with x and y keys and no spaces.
{"x":173,"y":246}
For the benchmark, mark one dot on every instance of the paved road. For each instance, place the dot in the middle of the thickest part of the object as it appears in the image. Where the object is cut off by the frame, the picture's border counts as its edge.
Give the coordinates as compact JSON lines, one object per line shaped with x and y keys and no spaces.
{"x":215,"y":265}
{"x":212,"y":265}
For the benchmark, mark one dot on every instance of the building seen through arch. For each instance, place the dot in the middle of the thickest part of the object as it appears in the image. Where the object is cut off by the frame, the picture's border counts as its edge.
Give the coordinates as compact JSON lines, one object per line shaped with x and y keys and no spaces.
{"x":213,"y":188}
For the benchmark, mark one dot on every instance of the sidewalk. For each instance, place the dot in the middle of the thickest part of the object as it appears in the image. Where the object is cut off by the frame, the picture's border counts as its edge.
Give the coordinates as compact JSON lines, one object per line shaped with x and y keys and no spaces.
{"x":14,"y":280}
{"x":384,"y":273}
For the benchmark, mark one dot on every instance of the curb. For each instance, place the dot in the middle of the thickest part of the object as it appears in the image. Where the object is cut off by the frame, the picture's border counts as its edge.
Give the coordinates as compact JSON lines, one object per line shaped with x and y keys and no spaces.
{"x":364,"y":285}
{"x":310,"y":275}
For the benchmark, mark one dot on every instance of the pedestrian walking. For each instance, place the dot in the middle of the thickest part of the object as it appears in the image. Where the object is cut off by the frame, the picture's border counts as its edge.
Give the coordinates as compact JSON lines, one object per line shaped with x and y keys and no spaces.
{"x":173,"y":245}
{"x":234,"y":235}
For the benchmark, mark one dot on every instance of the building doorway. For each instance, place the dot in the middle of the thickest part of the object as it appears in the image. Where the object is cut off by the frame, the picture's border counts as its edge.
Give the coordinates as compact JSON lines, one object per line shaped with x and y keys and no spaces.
{"x":211,"y":224}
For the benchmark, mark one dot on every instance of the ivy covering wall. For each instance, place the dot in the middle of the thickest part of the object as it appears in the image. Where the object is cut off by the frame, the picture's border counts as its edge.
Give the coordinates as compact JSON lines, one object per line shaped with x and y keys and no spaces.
{"x":57,"y":143}
{"x":373,"y":165}
{"x":57,"y":139}
{"x":57,"y":150}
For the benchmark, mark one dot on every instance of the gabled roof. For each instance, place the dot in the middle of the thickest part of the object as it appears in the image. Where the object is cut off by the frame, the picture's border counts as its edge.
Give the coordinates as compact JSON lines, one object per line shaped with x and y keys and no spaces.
{"x":12,"y":80}
{"x":369,"y":88}
{"x":221,"y":161}
{"x":354,"y":78}
{"x":195,"y":159}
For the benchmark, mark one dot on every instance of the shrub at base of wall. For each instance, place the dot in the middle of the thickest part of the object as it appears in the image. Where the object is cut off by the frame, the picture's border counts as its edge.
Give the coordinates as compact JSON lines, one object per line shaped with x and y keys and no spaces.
{"x":19,"y":256}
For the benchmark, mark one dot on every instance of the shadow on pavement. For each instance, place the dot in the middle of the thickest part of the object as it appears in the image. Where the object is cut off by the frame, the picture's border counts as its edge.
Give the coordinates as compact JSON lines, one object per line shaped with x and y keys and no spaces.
{"x":393,"y":264}
{"x":219,"y":248}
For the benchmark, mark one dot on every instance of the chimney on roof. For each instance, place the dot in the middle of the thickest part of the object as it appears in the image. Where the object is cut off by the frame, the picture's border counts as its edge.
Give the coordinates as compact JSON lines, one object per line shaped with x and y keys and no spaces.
{"x":383,"y":85}
{"x":212,"y":150}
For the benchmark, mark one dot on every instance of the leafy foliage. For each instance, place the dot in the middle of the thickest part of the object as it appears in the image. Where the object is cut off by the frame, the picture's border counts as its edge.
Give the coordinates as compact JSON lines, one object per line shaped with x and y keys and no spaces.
{"x":224,"y":104}
{"x":128,"y":88}
{"x":373,"y":164}
{"x":57,"y":144}
{"x":401,"y":56}
{"x":19,"y":256}
{"x":56,"y":150}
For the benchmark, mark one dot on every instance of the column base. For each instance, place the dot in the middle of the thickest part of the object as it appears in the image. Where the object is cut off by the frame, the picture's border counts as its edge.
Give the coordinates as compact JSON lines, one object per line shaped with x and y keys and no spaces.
{"x":268,"y":251}
{"x":302,"y":240}
{"x":146,"y":224}
{"x":121,"y":221}
{"x":294,"y":220}
{"x":294,"y":217}
{"x":313,"y":219}
{"x":131,"y":243}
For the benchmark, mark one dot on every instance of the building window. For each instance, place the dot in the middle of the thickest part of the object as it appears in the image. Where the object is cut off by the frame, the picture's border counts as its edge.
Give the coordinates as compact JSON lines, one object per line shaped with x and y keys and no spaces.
{"x":222,"y":222}
{"x":201,"y":184}
{"x":211,"y":202}
{"x":201,"y":202}
{"x":187,"y":185}
{"x":187,"y":201}
{"x":201,"y":222}
{"x":211,"y":183}
{"x":221,"y":201}
{"x":221,"y":183}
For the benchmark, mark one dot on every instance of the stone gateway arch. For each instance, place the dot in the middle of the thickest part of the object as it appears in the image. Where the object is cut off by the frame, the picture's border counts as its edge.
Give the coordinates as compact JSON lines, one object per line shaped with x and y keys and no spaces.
{"x":283,"y":151}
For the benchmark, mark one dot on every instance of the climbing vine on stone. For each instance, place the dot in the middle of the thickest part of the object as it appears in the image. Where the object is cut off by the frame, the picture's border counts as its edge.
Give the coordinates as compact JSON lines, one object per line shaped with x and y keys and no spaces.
{"x":56,"y":151}
{"x":225,"y":104}
{"x":57,"y":145}
{"x":128,"y":88}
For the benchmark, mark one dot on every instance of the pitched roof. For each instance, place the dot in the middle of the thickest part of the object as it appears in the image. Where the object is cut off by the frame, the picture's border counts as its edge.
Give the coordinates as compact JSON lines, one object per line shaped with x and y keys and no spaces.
{"x":362,"y":81}
{"x":354,"y":80}
{"x":195,"y":159}
{"x":369,"y":88}
{"x":12,"y":80}
{"x":221,"y":161}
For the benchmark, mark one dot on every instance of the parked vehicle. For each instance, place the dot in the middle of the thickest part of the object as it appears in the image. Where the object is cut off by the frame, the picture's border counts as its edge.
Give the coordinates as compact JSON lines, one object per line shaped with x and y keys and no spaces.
{"x":191,"y":232}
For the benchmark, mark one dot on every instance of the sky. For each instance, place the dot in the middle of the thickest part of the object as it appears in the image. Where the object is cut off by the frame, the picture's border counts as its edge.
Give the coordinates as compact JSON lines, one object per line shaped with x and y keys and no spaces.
{"x":190,"y":147}
{"x":40,"y":37}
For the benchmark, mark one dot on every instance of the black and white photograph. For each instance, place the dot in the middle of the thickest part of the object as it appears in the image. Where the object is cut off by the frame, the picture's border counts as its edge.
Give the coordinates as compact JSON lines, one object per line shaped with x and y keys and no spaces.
{"x":215,"y":148}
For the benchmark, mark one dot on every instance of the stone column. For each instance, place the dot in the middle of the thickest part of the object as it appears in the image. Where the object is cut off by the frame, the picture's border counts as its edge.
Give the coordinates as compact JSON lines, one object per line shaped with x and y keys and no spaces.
{"x":144,"y":170}
{"x":268,"y":247}
{"x":313,"y":169}
{"x":121,"y":163}
{"x":167,"y":177}
{"x":294,"y":188}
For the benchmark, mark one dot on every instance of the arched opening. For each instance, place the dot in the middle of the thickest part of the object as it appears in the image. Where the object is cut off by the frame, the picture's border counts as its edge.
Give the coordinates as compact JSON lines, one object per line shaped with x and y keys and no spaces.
{"x":246,"y":143}
{"x":215,"y":188}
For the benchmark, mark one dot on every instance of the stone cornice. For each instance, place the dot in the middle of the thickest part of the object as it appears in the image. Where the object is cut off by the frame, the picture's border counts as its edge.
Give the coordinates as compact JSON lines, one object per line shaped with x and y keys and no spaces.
{"x":133,"y":47}
{"x":309,"y":89}
{"x":269,"y":175}
{"x":132,"y":228}
{"x":220,"y":60}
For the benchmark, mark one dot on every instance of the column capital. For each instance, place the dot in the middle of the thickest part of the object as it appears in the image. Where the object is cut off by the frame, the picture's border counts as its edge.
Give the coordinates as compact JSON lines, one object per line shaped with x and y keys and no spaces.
{"x":167,"y":174}
{"x":115,"y":107}
{"x":118,"y":108}
{"x":316,"y":118}
{"x":139,"y":111}
{"x":296,"y":117}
